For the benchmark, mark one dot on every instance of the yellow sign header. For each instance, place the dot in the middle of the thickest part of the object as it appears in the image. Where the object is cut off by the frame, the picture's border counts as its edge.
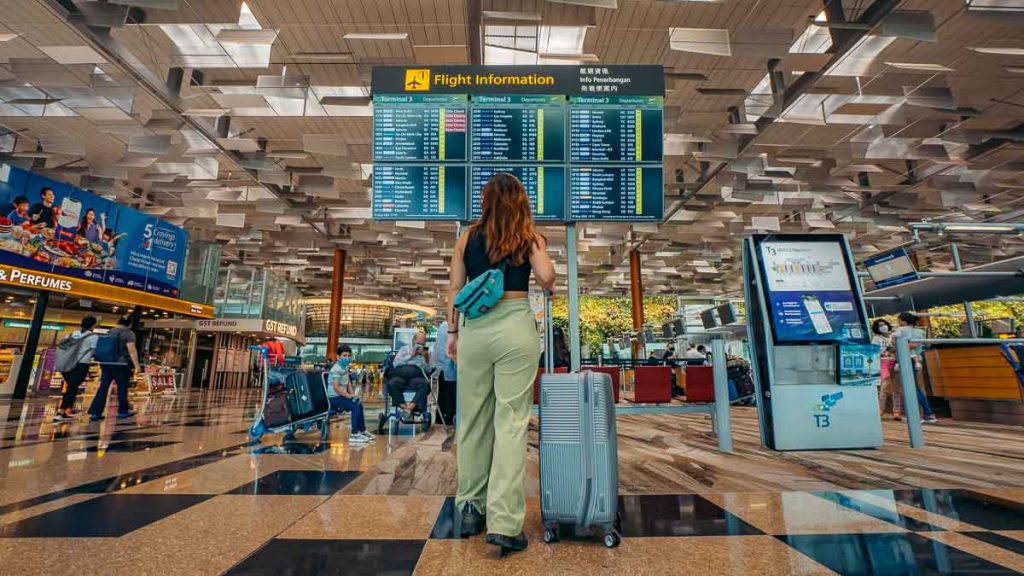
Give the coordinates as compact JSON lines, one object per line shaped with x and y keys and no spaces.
{"x":491,"y":79}
{"x":20,"y":277}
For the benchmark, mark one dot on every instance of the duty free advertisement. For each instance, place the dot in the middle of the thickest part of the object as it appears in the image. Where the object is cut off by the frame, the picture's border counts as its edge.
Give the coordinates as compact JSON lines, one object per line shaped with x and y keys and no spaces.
{"x":51,"y":226}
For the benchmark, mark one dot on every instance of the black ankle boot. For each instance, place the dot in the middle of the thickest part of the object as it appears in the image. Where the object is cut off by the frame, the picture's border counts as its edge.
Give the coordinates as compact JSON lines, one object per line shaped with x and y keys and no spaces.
{"x":473,"y":522}
{"x":508,"y":543}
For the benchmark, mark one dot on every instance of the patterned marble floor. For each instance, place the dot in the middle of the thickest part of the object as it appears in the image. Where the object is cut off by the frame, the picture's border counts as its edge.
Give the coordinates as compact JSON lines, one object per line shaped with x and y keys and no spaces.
{"x":178,"y":490}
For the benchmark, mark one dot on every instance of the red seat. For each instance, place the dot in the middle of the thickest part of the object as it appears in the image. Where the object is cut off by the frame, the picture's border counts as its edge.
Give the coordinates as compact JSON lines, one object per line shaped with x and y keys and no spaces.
{"x":536,"y":382}
{"x":700,"y":384}
{"x":615,"y":372}
{"x":652,"y":384}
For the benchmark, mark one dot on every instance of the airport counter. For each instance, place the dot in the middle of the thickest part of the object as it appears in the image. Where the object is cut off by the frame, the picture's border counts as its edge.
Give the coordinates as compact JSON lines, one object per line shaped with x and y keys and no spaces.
{"x":982,"y":382}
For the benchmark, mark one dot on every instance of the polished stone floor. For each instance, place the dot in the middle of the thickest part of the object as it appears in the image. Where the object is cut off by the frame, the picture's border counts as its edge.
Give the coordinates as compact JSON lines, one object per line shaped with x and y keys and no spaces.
{"x":180,"y":490}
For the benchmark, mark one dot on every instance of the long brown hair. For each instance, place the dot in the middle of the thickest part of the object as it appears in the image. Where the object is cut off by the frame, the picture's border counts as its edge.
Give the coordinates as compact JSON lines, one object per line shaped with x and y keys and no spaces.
{"x":506,"y":220}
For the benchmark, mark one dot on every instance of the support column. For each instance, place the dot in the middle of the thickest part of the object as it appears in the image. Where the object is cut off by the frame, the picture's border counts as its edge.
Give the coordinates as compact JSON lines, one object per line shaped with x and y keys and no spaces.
{"x":334,"y":318}
{"x":636,"y":294}
{"x":29,"y":354}
{"x":968,"y":309}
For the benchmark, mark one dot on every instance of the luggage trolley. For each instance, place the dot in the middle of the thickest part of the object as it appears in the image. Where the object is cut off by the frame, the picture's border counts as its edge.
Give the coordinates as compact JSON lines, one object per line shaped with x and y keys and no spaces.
{"x":286,"y":392}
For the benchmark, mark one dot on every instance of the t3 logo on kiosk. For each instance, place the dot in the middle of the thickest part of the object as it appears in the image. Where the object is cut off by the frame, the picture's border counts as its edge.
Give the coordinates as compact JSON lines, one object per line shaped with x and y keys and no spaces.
{"x":828,"y":401}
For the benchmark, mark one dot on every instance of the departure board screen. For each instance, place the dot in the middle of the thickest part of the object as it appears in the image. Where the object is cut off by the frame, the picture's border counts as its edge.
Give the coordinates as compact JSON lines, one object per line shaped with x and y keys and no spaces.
{"x":421,"y":128}
{"x":545,"y":185}
{"x":609,"y":129}
{"x":586,"y":141}
{"x":616,"y":193}
{"x":516,"y":127}
{"x":408,"y":192}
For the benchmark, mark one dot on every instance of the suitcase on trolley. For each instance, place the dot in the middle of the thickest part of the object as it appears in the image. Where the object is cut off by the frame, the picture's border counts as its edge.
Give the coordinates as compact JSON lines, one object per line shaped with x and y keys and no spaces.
{"x":579,"y":461}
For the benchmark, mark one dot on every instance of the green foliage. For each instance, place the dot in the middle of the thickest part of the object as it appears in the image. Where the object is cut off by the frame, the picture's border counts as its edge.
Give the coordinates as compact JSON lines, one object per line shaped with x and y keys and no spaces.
{"x":602,"y":318}
{"x":945,"y":321}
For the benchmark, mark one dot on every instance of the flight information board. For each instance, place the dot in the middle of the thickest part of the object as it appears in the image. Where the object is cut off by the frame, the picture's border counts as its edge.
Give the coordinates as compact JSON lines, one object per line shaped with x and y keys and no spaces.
{"x":586,"y":141}
{"x":516,"y":127}
{"x":611,"y":129}
{"x":545,"y":185}
{"x":616,"y":193}
{"x":408,"y":192}
{"x":420,"y":128}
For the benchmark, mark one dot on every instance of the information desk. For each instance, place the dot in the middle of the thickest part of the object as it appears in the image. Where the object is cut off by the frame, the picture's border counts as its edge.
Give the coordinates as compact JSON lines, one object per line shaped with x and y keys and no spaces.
{"x":419,"y":192}
{"x":978,"y":380}
{"x":545,"y":185}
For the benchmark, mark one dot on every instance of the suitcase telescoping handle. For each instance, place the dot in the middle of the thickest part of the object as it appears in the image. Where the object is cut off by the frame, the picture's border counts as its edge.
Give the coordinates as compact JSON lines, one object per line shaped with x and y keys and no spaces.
{"x":549,"y":334}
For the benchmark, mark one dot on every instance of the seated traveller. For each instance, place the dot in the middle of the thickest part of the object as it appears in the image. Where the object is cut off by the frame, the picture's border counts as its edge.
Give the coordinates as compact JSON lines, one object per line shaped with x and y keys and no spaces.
{"x":692,"y":353}
{"x":339,"y":392}
{"x":410,"y":375}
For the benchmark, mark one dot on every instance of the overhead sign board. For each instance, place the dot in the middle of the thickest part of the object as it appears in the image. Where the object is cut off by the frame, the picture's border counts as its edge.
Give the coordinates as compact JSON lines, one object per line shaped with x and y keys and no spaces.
{"x":891,"y":268}
{"x":27,"y":278}
{"x":586,"y":141}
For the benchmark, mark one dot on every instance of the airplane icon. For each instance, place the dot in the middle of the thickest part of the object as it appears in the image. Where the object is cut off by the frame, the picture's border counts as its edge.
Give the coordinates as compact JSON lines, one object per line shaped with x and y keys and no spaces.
{"x":417,"y":80}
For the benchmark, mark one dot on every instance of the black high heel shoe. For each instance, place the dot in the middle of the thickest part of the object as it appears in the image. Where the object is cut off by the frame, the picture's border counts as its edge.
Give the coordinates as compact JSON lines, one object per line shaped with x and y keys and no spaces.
{"x":508,"y":544}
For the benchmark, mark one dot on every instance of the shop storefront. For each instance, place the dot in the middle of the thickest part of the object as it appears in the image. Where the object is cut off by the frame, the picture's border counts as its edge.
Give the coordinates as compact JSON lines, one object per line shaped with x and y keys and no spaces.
{"x":66,"y":253}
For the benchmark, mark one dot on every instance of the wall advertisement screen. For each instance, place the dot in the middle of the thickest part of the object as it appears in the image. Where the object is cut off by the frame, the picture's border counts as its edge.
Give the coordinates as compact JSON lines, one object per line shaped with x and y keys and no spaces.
{"x":53,"y":227}
{"x":810,"y":296}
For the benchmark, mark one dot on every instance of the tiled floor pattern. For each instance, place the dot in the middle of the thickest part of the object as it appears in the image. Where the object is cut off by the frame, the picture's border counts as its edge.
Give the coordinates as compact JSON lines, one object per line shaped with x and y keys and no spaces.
{"x":176,"y":497}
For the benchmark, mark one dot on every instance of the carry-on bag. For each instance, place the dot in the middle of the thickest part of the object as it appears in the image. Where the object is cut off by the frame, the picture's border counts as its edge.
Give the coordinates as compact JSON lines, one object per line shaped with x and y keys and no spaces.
{"x":300,"y":397}
{"x":579,"y":462}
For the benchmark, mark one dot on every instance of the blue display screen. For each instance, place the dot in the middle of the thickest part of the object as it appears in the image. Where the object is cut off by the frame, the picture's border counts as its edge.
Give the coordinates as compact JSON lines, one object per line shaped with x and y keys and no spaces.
{"x":809,"y":292}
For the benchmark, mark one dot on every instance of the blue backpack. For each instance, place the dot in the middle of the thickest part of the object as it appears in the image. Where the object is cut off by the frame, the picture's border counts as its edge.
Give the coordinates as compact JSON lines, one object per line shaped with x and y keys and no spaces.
{"x":481,"y":294}
{"x":107,"y":349}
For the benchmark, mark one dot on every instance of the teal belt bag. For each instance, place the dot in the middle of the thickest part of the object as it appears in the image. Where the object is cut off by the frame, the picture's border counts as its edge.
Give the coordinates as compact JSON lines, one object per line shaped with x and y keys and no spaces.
{"x":482,"y":293}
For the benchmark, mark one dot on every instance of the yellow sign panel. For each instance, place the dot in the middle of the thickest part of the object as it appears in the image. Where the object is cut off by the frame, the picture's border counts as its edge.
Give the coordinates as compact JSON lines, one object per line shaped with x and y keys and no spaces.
{"x":13,"y":276}
{"x":417,"y":80}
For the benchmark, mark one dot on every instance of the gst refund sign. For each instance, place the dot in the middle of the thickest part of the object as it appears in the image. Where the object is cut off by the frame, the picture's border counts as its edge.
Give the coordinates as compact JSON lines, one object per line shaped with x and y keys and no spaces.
{"x":248,"y":325}
{"x":562,"y":80}
{"x":14,"y":276}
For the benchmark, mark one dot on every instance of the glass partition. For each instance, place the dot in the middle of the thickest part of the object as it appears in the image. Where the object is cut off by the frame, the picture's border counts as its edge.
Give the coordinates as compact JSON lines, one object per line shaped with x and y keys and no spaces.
{"x":250,"y":292}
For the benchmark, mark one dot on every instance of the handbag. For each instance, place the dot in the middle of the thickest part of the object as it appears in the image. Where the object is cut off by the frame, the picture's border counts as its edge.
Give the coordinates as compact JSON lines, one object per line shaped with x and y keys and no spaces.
{"x":481,"y":294}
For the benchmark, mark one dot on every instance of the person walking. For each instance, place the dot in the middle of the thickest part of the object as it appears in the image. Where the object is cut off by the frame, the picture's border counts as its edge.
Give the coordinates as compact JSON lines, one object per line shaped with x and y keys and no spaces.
{"x":908,"y":329}
{"x":497,"y":362}
{"x":881,"y":336}
{"x":117,"y":355}
{"x":85,"y":342}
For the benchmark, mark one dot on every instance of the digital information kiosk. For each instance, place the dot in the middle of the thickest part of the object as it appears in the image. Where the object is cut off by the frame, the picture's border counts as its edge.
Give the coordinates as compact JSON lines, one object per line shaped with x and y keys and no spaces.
{"x":586,"y":141}
{"x":816,"y":372}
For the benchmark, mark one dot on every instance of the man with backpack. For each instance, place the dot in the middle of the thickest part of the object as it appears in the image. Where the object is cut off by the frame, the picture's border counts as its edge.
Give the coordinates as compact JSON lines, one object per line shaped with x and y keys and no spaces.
{"x":117,"y":356}
{"x":74,"y":355}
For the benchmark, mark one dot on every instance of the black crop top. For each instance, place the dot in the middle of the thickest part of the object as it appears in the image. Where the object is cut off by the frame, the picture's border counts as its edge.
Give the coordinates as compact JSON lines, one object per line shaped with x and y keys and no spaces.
{"x":517,"y":278}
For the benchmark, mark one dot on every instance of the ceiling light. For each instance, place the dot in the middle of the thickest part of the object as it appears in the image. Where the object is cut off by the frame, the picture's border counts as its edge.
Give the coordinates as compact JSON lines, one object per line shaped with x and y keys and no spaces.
{"x":919,"y":67}
{"x":981,"y":228}
{"x":998,"y":51}
{"x":387,"y":36}
{"x":8,"y":36}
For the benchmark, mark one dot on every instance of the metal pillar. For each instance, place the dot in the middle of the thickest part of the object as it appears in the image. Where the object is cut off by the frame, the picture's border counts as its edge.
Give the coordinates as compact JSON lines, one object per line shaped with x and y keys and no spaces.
{"x":908,"y":379}
{"x":573,"y":281}
{"x":723,"y":418}
{"x":636,"y":295}
{"x":334,"y":318}
{"x":31,"y":344}
{"x":968,"y":309}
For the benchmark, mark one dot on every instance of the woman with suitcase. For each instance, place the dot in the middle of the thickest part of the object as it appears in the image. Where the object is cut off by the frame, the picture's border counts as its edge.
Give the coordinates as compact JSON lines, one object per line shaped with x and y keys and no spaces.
{"x":497,"y":358}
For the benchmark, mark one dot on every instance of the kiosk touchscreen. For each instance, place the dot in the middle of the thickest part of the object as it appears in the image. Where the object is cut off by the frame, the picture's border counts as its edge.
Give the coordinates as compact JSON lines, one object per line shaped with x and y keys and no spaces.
{"x":816,"y":370}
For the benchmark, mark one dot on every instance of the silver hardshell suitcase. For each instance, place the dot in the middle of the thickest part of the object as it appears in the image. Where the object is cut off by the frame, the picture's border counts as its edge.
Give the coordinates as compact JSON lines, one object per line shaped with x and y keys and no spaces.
{"x":579,"y":461}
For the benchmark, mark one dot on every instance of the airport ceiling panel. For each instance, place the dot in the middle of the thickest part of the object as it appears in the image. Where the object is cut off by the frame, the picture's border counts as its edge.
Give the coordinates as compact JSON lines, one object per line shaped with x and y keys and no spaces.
{"x":781,"y":115}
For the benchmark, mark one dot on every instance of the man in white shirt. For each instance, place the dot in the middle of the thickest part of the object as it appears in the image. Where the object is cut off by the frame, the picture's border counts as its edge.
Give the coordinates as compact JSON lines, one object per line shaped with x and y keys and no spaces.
{"x":410,"y":375}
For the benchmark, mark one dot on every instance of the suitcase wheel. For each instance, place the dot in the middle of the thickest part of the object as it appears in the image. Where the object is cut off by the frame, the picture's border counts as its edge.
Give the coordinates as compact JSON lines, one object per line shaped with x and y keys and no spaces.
{"x":257,"y":430}
{"x":612,"y":539}
{"x":325,"y":430}
{"x":551,"y":535}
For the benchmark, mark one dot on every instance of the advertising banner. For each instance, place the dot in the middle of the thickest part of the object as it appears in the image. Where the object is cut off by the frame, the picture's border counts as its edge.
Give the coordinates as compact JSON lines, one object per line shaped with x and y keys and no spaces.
{"x":809,"y":292}
{"x":53,"y":227}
